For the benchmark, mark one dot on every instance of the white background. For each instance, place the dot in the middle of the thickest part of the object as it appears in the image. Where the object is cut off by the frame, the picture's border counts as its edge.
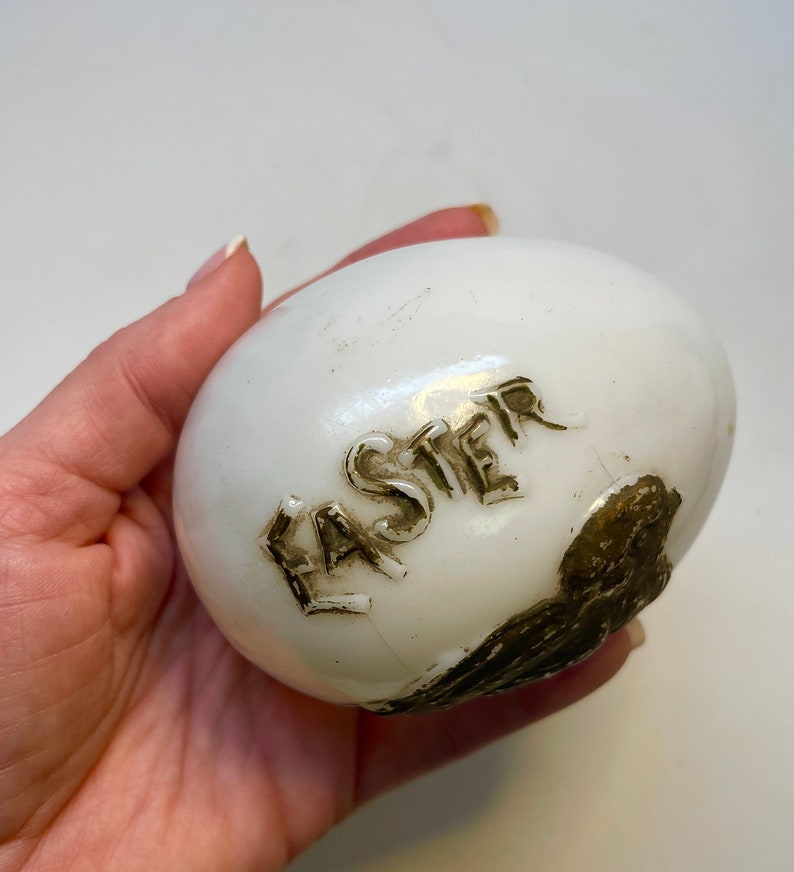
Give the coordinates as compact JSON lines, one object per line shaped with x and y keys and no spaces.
{"x":136,"y":138}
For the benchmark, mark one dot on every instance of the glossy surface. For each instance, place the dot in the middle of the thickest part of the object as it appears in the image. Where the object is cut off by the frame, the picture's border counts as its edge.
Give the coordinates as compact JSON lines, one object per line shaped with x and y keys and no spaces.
{"x":394,"y":462}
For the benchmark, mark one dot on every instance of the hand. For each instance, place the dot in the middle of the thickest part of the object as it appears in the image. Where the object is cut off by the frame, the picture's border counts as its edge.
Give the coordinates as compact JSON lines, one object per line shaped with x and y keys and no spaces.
{"x":132,"y":736}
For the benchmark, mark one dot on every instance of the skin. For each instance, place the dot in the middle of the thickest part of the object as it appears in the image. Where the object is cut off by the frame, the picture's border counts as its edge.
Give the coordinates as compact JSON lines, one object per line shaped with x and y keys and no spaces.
{"x":132,"y":736}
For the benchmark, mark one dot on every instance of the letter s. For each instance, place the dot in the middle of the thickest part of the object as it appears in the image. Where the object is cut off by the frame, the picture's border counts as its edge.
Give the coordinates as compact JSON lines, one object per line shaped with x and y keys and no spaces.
{"x":416,"y":517}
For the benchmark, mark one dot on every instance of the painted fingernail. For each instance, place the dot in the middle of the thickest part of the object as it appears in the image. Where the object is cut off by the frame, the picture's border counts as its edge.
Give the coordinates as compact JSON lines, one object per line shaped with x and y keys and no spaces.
{"x":488,"y":217}
{"x":221,"y":255}
{"x":636,"y":633}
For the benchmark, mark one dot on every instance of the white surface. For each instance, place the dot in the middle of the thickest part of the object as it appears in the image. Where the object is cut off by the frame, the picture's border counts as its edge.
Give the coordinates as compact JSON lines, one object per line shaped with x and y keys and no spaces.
{"x":137,"y":138}
{"x":389,"y":345}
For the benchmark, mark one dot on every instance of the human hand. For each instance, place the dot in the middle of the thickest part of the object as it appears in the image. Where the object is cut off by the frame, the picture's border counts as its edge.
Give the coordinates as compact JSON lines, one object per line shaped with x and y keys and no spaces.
{"x":132,"y":735}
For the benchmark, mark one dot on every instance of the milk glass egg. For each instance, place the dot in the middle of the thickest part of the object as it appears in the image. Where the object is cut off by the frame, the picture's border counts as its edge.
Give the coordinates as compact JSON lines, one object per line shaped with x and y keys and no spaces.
{"x":450,"y":469}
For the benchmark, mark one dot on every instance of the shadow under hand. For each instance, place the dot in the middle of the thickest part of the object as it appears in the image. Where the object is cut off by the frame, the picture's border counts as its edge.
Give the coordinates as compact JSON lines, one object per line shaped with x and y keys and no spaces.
{"x":442,"y":801}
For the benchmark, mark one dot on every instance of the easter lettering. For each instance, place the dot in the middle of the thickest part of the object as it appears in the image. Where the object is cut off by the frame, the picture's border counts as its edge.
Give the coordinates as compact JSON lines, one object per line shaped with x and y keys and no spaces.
{"x":452,"y":464}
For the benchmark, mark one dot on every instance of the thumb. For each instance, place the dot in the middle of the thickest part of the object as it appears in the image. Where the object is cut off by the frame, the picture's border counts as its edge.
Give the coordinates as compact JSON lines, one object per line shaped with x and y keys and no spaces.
{"x":119,"y":413}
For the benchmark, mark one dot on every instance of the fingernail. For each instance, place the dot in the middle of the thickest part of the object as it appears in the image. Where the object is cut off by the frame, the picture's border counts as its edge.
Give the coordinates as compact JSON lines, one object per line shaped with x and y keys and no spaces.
{"x":636,"y":633}
{"x":488,"y":217}
{"x":220,"y":256}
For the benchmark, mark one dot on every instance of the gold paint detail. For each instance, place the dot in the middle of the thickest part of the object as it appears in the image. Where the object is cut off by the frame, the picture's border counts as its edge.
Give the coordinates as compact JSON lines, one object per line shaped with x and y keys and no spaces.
{"x":614,"y":567}
{"x":491,"y":485}
{"x":278,"y":540}
{"x":423,"y":451}
{"x":406,"y":477}
{"x":513,"y":400}
{"x":367,"y":479}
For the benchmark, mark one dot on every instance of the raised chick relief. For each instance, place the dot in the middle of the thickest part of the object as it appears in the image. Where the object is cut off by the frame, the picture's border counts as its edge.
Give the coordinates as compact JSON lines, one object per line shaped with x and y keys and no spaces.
{"x":451,"y":469}
{"x":614,"y":567}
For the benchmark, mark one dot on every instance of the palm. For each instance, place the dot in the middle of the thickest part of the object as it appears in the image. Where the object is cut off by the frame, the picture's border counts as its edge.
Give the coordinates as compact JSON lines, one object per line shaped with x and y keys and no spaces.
{"x":167,"y":715}
{"x":210,"y":748}
{"x":132,"y":734}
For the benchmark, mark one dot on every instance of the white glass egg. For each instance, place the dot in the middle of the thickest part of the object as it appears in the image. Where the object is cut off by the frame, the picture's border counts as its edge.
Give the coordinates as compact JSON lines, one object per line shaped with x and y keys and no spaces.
{"x":450,"y":469}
